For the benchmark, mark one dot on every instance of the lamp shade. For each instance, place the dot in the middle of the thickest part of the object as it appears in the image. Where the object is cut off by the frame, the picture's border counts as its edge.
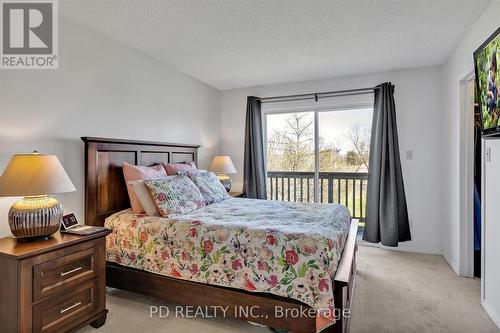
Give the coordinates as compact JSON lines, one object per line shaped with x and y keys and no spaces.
{"x":33,"y":175}
{"x":222,"y":164}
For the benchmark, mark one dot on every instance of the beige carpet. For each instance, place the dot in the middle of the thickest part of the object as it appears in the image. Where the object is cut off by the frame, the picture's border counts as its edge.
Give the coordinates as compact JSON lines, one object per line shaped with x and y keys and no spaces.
{"x":395,"y":292}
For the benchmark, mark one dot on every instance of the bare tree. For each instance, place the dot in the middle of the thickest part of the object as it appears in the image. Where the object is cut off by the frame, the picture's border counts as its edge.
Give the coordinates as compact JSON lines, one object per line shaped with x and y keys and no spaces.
{"x":329,"y":156}
{"x":290,"y":149}
{"x":275,"y":145}
{"x":300,"y":128}
{"x":299,"y":141}
{"x":359,"y":138}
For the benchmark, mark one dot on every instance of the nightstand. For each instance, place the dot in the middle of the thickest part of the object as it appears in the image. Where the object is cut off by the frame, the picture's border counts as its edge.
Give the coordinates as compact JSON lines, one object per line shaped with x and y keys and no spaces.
{"x":57,"y":285}
{"x":237,"y":194}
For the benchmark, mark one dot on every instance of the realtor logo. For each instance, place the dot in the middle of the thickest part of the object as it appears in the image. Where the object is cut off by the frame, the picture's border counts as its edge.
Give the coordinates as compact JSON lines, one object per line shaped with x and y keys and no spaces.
{"x":29,"y":34}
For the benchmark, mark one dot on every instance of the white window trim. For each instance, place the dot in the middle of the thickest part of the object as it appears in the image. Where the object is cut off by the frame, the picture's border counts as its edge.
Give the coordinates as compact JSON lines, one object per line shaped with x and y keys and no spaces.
{"x":323,"y":104}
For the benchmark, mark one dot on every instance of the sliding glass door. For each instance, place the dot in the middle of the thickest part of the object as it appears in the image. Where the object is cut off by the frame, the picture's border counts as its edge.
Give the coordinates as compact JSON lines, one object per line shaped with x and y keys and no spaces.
{"x":344,"y":148}
{"x":319,"y":156}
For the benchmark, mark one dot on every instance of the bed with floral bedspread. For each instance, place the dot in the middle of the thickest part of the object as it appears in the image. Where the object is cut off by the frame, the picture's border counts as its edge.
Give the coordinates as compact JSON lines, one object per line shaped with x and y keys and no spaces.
{"x":282,"y":248}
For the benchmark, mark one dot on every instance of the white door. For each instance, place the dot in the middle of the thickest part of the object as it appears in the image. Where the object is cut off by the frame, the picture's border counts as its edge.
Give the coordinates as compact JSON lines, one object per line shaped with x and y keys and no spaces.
{"x":491,"y":228}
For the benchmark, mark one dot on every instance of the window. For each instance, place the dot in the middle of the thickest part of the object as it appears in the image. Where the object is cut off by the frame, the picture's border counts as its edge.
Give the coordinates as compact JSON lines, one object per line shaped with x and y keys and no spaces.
{"x":319,"y":155}
{"x":291,"y":156}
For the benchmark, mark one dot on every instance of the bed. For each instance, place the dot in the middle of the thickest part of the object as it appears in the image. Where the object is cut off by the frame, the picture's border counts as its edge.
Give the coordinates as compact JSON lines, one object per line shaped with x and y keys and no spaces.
{"x":226,"y":254}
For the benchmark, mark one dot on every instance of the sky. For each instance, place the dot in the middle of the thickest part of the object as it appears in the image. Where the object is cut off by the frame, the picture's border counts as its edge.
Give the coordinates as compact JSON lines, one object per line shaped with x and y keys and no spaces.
{"x":333,"y":125}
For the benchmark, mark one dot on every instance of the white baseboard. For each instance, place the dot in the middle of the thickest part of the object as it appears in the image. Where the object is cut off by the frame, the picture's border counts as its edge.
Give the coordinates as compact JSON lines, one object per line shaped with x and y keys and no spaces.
{"x":451,"y":264}
{"x":495,"y":317}
{"x":402,"y":248}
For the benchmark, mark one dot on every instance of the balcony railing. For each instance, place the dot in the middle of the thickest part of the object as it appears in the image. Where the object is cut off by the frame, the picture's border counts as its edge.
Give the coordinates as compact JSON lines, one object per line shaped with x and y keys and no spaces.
{"x":346,"y":188}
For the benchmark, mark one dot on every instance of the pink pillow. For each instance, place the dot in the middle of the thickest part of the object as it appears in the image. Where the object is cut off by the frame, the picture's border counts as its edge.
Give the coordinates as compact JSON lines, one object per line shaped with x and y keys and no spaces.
{"x":138,"y":172}
{"x":172,"y":168}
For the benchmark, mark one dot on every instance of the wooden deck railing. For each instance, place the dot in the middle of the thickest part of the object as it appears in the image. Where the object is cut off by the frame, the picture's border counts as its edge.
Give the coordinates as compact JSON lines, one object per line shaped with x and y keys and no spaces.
{"x":346,"y":188}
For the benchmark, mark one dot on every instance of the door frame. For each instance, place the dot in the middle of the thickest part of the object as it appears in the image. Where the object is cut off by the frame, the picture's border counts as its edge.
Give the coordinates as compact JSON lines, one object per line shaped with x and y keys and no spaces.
{"x":484,"y":159}
{"x":466,"y":176}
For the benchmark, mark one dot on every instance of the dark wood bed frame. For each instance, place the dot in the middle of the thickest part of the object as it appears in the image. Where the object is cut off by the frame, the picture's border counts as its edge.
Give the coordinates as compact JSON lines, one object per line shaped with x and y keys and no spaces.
{"x":105,"y":194}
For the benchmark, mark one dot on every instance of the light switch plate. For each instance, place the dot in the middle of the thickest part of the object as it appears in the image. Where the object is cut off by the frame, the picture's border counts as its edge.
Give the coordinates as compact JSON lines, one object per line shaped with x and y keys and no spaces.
{"x":409,"y":154}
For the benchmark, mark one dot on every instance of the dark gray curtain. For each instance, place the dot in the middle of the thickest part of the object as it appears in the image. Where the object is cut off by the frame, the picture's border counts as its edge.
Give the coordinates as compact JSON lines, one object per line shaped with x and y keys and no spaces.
{"x":386,"y":210}
{"x":254,"y":170}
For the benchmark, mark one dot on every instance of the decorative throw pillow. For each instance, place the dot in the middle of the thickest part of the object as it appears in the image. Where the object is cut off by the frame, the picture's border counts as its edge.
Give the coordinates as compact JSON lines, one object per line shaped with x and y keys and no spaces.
{"x":142,"y":193}
{"x":189,"y":172}
{"x":174,"y":195}
{"x":210,"y":187}
{"x":138,"y":172}
{"x":173,"y":168}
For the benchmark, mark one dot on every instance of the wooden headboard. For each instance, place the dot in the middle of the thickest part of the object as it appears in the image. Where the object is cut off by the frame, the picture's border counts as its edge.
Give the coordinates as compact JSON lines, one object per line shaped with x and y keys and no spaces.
{"x":105,"y":189}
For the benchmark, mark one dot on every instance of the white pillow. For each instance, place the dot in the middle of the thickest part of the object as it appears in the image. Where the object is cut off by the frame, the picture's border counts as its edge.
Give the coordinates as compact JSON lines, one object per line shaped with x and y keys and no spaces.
{"x":144,"y":196}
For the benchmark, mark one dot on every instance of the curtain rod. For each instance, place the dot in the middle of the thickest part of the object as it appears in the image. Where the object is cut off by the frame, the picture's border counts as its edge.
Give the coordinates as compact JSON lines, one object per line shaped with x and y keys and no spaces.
{"x":316,"y":96}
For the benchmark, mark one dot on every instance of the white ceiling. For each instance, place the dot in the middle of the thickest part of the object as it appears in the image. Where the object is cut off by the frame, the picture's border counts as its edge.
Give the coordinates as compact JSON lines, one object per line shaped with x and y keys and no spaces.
{"x":233,"y":44}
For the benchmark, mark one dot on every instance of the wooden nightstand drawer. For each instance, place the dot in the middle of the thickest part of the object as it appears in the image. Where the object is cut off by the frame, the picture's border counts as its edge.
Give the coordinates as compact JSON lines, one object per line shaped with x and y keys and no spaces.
{"x":55,"y":285}
{"x":55,"y":275}
{"x":59,"y":313}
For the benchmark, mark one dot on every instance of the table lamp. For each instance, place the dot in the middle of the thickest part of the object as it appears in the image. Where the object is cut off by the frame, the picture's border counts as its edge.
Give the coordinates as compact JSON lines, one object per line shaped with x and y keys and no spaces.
{"x":35,"y":177}
{"x":222,"y":165}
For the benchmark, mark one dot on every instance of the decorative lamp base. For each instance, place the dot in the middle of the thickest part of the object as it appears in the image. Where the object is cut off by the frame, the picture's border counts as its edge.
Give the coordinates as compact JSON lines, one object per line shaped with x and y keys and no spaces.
{"x":225,"y":180}
{"x":35,"y":218}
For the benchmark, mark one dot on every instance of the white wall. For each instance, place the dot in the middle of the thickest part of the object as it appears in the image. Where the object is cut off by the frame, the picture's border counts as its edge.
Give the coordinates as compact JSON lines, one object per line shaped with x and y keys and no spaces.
{"x":418,"y":95}
{"x":459,"y":65}
{"x":100,"y":89}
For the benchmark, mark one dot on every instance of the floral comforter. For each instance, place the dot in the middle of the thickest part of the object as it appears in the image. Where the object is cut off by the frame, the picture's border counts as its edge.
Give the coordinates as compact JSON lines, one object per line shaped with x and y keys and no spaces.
{"x":283,"y":248}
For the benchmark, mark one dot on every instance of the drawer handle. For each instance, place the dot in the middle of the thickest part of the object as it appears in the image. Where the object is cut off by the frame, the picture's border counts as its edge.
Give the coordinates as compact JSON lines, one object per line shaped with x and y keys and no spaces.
{"x":71,"y":271}
{"x":70,"y":307}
